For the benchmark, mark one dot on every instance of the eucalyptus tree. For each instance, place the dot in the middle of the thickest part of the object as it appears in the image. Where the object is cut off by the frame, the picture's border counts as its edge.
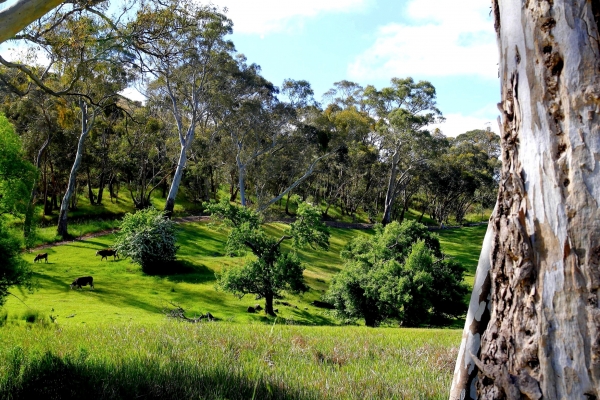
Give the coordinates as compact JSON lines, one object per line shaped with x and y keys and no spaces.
{"x":181,"y":45}
{"x":532,"y":328}
{"x":403,"y":111}
{"x":22,"y":13}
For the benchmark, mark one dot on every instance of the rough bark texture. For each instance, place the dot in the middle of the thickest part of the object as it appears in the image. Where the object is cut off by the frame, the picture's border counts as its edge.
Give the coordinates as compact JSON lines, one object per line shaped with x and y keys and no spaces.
{"x":543,"y":340}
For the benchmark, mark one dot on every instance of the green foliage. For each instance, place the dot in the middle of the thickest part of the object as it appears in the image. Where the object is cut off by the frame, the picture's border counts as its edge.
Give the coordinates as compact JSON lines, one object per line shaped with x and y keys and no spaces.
{"x":14,"y":271}
{"x":272,"y":271}
{"x":16,"y":174}
{"x":148,"y":238}
{"x":399,"y":274}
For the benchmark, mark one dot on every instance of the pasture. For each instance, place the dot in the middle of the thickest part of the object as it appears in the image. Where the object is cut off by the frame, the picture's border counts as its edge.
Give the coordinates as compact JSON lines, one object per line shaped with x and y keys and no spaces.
{"x":118,"y":340}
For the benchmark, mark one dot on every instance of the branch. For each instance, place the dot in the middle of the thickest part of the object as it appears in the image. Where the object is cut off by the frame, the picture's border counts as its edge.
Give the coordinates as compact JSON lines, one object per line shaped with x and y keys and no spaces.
{"x":16,"y":17}
{"x":293,"y":185}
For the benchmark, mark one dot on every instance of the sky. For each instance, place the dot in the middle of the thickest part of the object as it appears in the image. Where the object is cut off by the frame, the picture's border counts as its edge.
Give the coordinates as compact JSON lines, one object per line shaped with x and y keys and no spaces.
{"x":452,"y":44}
{"x":449,"y":43}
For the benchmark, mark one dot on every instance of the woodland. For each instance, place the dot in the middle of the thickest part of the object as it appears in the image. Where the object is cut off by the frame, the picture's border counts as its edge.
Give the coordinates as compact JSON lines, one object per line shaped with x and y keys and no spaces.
{"x":276,"y":169}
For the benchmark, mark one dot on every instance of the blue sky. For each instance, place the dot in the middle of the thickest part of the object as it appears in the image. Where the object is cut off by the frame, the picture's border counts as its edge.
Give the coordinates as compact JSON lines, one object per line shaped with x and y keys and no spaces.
{"x":449,"y":43}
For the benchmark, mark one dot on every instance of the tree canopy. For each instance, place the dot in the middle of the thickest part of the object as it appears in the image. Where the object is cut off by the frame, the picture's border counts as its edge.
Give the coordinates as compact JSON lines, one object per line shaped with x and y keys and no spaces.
{"x":400,"y":274}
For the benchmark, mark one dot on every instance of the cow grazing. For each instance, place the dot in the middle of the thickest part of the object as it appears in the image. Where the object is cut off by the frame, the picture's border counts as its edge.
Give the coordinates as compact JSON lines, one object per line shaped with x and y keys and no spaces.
{"x":41,"y":256}
{"x":83,"y":281}
{"x":107,"y":253}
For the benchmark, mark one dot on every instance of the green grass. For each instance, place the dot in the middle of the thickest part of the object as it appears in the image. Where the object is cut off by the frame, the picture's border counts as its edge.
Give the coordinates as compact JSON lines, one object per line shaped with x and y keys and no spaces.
{"x":123,"y":293}
{"x":116,"y":341}
{"x":172,"y":360}
{"x":464,"y":244}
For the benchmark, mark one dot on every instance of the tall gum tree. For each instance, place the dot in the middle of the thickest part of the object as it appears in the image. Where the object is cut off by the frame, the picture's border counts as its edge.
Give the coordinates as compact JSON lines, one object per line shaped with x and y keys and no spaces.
{"x":543,"y":336}
{"x":180,"y":46}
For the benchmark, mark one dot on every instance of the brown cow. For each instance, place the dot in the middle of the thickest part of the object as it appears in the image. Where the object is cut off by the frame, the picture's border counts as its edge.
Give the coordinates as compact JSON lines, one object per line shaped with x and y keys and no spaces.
{"x":83,"y":281}
{"x":107,"y":253}
{"x":41,"y":256}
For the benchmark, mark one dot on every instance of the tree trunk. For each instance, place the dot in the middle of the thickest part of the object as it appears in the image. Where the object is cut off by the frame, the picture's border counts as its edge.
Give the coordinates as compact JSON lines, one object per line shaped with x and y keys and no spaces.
{"x":391,"y":191}
{"x":31,"y":206}
{"x":242,"y":181}
{"x":101,"y":187}
{"x":478,"y":316}
{"x":22,"y":13}
{"x":170,"y":204}
{"x":269,"y":304}
{"x":543,"y":338}
{"x":89,"y":185}
{"x":62,"y":229}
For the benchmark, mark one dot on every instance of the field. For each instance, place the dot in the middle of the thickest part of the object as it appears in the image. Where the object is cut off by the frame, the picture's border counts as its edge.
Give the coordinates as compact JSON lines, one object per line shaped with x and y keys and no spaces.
{"x":118,"y":339}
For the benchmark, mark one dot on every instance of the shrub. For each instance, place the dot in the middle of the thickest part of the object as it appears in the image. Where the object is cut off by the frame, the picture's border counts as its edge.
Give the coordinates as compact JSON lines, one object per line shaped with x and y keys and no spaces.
{"x":148,"y":238}
{"x":400,"y":274}
{"x":14,"y":271}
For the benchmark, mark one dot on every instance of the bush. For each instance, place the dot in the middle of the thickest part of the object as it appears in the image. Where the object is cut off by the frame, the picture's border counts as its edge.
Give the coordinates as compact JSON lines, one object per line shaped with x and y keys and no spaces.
{"x":14,"y":271}
{"x":400,"y":274}
{"x":148,"y":238}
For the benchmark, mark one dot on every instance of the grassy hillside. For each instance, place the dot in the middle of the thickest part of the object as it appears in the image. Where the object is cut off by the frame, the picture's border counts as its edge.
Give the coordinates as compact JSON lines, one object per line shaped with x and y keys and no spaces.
{"x":116,"y":342}
{"x":122,"y":293}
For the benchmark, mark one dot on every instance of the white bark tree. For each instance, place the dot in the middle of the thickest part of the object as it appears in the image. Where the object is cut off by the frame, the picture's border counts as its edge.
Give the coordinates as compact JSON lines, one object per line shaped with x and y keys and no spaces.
{"x":543,"y":337}
{"x":181,"y":46}
{"x":22,"y":13}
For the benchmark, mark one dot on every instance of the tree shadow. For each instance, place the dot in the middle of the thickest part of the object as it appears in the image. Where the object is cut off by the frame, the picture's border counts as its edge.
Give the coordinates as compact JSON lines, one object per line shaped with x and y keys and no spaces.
{"x":183,"y":271}
{"x":50,"y":376}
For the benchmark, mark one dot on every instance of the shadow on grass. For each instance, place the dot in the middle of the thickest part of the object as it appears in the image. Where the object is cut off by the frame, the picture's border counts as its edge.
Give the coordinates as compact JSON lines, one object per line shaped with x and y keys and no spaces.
{"x":183,"y":271}
{"x":49,"y":376}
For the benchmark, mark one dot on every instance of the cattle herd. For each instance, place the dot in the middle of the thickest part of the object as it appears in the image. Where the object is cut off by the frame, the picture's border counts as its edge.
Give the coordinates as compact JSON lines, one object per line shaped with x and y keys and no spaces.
{"x":84,"y":280}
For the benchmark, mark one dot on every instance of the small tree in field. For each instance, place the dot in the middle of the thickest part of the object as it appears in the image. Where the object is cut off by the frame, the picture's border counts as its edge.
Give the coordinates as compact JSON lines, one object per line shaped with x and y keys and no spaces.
{"x":272,"y":271}
{"x":399,"y":274}
{"x":148,"y":237}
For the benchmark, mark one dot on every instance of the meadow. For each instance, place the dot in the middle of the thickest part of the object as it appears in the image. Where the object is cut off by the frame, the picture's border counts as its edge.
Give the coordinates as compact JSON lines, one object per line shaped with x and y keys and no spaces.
{"x":117,"y":342}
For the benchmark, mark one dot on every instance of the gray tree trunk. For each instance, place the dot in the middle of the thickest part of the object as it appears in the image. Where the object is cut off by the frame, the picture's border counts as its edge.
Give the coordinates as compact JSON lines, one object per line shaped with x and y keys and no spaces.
{"x":390,"y":195}
{"x":20,"y":14}
{"x":543,"y":338}
{"x":170,"y":205}
{"x":86,"y":125}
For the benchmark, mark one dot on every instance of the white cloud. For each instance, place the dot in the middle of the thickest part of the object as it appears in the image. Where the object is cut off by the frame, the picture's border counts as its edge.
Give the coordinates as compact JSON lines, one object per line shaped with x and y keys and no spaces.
{"x":443,"y":38}
{"x":456,"y":124}
{"x":267,"y":16}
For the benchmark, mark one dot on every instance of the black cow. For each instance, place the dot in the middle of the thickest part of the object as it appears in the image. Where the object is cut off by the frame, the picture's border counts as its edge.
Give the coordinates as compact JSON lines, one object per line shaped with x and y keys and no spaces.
{"x":107,"y":253}
{"x":41,"y":256}
{"x":83,"y":281}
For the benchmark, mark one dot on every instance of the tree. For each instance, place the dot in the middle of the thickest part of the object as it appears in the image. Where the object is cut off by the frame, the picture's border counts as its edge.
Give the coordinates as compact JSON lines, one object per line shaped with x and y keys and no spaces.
{"x":180,"y":45}
{"x":273,"y":270}
{"x":399,"y":274}
{"x":16,"y":178}
{"x":403,"y":110}
{"x":148,"y":238}
{"x":22,"y":13}
{"x":541,"y":340}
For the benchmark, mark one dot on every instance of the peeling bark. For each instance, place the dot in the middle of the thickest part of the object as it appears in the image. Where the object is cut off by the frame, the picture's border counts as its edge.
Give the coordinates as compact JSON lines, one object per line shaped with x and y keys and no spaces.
{"x":543,"y":339}
{"x":478,"y":316}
